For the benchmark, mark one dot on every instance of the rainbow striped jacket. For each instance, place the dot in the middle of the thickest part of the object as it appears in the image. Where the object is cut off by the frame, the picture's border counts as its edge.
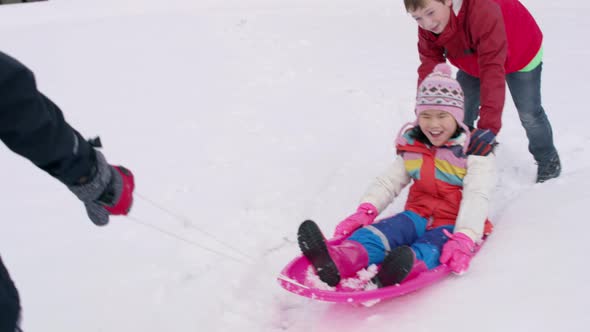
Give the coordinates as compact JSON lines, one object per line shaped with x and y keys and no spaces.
{"x":448,"y":187}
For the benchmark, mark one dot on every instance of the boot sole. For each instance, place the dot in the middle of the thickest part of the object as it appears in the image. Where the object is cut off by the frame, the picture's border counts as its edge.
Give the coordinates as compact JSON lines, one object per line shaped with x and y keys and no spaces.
{"x":396,"y":267}
{"x":314,"y":248}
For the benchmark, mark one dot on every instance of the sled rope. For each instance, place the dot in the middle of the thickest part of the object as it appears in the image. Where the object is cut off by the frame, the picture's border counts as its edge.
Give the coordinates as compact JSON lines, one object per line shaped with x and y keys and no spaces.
{"x":187,"y":222}
{"x":185,"y":240}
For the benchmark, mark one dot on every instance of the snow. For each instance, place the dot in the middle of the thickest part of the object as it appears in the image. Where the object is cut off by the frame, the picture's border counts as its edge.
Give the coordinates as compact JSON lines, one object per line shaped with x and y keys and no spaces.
{"x":241,"y":119}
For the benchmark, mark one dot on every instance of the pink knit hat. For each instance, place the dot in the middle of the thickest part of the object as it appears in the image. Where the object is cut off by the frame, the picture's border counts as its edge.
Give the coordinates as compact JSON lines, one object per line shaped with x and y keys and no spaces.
{"x":439,"y":91}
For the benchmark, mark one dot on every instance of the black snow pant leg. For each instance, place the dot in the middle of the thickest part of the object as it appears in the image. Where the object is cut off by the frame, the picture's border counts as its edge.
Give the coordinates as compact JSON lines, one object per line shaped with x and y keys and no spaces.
{"x":9,"y":302}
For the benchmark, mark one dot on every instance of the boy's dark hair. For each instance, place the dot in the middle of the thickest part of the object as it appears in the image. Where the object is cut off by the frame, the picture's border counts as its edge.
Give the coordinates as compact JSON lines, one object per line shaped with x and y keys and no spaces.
{"x":412,"y":5}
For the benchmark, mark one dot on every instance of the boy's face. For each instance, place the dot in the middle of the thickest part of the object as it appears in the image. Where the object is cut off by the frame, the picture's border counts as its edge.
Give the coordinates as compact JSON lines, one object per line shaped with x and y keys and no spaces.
{"x":434,"y":16}
{"x":438,"y":126}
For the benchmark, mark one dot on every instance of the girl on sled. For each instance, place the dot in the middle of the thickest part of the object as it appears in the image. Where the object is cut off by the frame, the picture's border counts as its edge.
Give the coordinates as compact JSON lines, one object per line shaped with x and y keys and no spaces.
{"x":453,"y":175}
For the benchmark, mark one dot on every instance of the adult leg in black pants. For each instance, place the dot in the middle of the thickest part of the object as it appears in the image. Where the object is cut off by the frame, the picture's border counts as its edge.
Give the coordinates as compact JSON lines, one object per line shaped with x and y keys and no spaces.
{"x":9,"y":302}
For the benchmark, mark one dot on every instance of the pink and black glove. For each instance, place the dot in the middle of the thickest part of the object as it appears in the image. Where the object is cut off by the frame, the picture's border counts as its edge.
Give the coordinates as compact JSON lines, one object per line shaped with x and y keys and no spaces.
{"x":108,"y":192}
{"x":364,"y":215}
{"x":457,"y":252}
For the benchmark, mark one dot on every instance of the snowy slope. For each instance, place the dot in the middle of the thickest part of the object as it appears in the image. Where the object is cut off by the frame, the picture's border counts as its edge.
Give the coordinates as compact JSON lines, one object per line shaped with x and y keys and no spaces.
{"x":243,"y":118}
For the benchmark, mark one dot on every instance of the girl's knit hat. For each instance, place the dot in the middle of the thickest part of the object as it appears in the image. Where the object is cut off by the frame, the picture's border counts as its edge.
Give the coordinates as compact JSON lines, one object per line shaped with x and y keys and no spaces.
{"x":439,"y":91}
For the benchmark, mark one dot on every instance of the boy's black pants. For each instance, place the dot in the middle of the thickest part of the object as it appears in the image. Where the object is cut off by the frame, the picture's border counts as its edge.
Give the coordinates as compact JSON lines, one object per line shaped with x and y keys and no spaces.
{"x":9,"y":302}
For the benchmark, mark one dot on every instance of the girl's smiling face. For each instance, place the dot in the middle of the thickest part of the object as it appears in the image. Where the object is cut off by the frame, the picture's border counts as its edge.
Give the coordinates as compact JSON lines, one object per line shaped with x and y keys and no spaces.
{"x":438,"y":126}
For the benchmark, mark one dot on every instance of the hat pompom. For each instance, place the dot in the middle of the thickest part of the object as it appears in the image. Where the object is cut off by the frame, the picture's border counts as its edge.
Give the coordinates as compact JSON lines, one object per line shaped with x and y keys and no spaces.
{"x":442,"y":68}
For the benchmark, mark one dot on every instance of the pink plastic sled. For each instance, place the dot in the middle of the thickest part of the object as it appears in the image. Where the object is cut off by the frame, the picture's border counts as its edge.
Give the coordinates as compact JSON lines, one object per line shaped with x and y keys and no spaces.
{"x":294,"y":279}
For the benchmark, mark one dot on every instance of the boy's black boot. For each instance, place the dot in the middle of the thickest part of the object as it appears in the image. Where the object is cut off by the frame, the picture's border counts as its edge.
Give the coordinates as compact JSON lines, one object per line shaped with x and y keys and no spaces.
{"x":549,"y":170}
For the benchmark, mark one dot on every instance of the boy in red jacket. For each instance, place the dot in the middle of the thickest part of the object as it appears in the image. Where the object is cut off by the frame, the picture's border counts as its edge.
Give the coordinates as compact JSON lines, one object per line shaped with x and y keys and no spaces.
{"x":490,"y":42}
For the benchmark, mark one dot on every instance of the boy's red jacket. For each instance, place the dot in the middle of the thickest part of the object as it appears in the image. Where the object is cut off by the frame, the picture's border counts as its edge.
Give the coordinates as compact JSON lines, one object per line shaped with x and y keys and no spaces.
{"x":486,"y":39}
